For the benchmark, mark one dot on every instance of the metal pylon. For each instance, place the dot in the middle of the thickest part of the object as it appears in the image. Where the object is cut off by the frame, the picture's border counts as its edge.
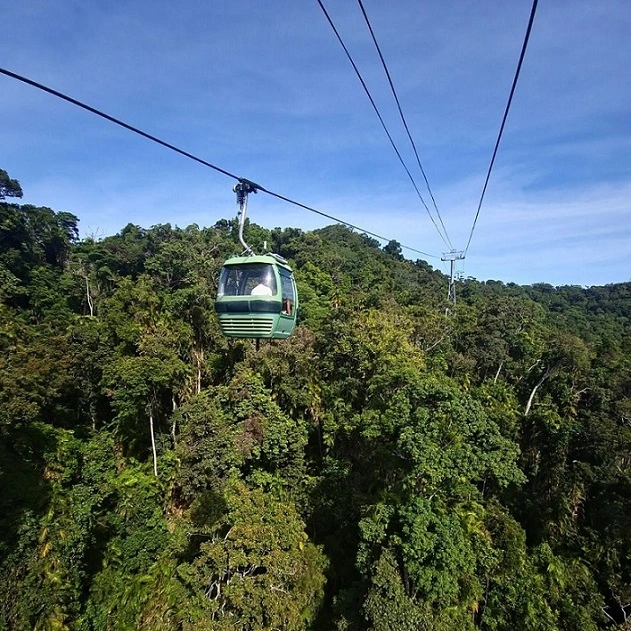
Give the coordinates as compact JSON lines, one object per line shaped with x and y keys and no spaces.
{"x":452,"y":256}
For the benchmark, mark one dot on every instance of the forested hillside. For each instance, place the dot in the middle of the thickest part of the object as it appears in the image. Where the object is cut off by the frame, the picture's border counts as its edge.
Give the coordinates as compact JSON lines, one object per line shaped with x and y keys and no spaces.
{"x":390,"y":466}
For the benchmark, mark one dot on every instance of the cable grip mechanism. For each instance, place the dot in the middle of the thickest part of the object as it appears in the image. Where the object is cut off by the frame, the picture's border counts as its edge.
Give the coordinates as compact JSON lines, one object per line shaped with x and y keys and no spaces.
{"x":242,"y":189}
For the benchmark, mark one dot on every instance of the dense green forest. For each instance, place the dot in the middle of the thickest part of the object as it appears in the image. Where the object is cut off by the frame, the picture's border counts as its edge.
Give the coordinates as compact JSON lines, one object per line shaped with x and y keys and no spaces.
{"x":392,"y":466}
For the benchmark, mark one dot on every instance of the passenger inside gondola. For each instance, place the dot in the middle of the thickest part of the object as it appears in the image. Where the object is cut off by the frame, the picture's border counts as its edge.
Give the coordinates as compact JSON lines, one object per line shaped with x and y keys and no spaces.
{"x":262,"y":289}
{"x":247,"y":280}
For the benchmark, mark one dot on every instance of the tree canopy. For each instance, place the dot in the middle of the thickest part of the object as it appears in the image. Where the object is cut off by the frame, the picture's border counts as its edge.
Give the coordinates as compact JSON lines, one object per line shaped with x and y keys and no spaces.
{"x":388,"y":467}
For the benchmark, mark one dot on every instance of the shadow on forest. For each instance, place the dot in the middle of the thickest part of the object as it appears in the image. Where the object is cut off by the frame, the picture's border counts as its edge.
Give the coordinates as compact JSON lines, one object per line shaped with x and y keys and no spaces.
{"x":338,"y":500}
{"x":24,"y":490}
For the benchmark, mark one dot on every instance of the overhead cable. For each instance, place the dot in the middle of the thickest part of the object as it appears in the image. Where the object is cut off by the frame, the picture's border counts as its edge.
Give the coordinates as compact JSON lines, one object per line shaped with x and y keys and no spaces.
{"x":380,"y":117}
{"x":186,"y":154}
{"x":508,"y":104}
{"x":405,"y":124}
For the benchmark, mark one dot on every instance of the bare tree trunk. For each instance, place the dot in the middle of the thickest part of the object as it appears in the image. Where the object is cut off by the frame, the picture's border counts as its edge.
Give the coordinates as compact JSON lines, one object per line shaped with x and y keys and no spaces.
{"x":87,"y":293}
{"x":174,"y":424}
{"x":546,"y":374}
{"x":93,"y":412}
{"x":434,"y":345}
{"x":200,"y":359}
{"x":153,"y":443}
{"x":497,"y":374}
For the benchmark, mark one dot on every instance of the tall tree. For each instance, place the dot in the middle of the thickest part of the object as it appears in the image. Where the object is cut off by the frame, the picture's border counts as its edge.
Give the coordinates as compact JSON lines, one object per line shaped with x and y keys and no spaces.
{"x":9,"y":187}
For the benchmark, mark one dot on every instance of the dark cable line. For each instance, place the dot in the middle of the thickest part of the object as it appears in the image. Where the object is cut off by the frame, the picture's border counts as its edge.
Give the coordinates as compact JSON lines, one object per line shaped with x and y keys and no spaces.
{"x":403,"y":120}
{"x":186,"y":154}
{"x":93,"y":110}
{"x":350,"y":225}
{"x":508,"y":104}
{"x":383,"y":124}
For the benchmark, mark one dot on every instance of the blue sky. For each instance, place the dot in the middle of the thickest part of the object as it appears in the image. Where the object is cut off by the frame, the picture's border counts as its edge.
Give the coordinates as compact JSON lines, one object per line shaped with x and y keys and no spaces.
{"x":262,"y":89}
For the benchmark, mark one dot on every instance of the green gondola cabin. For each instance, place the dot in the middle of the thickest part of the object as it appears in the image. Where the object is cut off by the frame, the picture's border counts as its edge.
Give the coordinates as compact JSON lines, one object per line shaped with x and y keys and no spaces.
{"x":257,"y":297}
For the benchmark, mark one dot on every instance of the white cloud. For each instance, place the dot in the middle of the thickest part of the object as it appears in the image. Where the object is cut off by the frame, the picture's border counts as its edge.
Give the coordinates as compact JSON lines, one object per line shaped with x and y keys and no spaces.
{"x":264,"y":90}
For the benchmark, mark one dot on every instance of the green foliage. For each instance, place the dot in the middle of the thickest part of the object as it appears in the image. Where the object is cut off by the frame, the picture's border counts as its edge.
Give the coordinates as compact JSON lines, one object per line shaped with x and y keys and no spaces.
{"x":46,"y":578}
{"x":9,"y":187}
{"x":133,"y":559}
{"x":387,"y":467}
{"x":387,"y":606}
{"x":256,"y":568}
{"x":239,"y":427}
